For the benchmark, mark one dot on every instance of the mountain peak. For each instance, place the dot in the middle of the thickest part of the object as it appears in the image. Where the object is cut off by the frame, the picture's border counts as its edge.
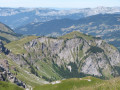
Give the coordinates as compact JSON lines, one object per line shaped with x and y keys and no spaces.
{"x":76,"y":34}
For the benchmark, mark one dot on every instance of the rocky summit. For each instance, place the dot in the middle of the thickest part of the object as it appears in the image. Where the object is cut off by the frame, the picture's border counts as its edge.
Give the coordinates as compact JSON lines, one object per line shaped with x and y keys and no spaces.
{"x":76,"y":55}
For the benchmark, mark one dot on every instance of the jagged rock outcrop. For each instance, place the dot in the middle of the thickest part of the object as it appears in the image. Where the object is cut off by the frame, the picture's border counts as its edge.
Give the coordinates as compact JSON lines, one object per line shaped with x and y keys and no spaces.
{"x":72,"y":55}
{"x":90,"y":56}
{"x":3,"y":49}
{"x":5,"y":74}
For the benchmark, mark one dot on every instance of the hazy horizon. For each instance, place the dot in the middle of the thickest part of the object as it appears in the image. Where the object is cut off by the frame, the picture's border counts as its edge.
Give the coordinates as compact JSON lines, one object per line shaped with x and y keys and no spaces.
{"x":68,"y":4}
{"x":56,"y":8}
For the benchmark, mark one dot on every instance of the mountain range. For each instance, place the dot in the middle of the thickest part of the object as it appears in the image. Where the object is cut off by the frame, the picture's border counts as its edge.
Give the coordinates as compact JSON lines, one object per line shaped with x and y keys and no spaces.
{"x":15,"y":17}
{"x":106,"y":26}
{"x":60,"y":49}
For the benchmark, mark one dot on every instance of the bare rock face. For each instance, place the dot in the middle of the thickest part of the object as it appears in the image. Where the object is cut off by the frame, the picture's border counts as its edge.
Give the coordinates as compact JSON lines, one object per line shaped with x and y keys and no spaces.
{"x":72,"y":55}
{"x":90,"y":57}
{"x":6,"y":75}
{"x":3,"y":49}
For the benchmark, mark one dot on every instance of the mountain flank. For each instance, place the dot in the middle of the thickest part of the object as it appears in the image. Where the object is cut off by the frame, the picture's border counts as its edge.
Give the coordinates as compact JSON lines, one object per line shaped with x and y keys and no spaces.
{"x":34,"y":61}
{"x":7,"y":34}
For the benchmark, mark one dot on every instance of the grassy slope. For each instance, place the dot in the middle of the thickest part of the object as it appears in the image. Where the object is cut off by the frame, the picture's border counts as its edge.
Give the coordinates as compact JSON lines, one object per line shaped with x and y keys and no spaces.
{"x":9,"y":86}
{"x":7,"y":34}
{"x":83,"y":84}
{"x":22,"y":73}
{"x":17,"y":46}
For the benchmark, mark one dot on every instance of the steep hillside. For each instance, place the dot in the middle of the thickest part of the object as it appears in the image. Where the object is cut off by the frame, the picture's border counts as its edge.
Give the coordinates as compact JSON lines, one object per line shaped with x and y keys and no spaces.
{"x":34,"y":61}
{"x":7,"y":34}
{"x":104,"y":26}
{"x":5,"y":74}
{"x":45,"y":28}
{"x":11,"y":70}
{"x":72,"y":55}
{"x":15,"y":17}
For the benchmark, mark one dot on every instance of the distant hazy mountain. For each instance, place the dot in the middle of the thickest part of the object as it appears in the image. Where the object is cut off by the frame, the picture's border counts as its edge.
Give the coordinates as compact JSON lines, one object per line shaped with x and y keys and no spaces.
{"x":15,"y":17}
{"x":98,"y":25}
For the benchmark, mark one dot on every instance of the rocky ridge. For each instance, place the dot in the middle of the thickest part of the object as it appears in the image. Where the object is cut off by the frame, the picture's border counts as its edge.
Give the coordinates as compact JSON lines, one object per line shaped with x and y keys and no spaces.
{"x":47,"y":59}
{"x":5,"y":74}
{"x":93,"y":57}
{"x":77,"y":54}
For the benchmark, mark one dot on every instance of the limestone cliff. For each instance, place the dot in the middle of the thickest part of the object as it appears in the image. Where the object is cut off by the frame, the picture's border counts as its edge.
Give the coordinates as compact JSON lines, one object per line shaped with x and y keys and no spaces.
{"x":90,"y":55}
{"x":73,"y":55}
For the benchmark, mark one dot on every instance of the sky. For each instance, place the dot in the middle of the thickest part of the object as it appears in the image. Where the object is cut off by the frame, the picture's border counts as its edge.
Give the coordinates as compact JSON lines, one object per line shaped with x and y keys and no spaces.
{"x":59,"y":3}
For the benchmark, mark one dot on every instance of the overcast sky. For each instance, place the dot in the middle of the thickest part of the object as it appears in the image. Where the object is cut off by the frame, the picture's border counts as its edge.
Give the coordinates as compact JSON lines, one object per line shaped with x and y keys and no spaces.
{"x":59,"y":3}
